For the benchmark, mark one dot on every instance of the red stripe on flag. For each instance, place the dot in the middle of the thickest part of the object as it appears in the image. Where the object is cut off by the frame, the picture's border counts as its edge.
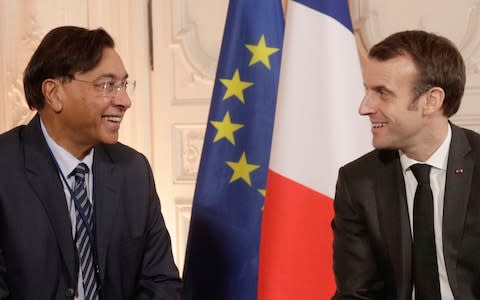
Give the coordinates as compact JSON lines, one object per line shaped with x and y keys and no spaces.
{"x":296,"y":243}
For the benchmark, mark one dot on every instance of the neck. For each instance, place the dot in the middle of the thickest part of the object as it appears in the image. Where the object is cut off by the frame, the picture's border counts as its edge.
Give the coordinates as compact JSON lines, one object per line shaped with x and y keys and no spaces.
{"x":429,"y":143}
{"x":65,"y":139}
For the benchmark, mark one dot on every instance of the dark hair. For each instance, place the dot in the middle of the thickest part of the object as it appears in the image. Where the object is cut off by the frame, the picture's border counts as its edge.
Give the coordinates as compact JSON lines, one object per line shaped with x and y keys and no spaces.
{"x":63,"y":52}
{"x":438,"y":61}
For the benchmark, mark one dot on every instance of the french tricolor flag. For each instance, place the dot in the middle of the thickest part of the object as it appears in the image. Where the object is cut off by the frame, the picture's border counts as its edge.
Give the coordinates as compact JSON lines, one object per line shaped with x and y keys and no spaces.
{"x":317,"y":129}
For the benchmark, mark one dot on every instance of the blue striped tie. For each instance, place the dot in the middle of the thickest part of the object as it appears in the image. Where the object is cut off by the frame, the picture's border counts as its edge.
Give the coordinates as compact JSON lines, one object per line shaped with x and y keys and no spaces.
{"x":82,"y":238}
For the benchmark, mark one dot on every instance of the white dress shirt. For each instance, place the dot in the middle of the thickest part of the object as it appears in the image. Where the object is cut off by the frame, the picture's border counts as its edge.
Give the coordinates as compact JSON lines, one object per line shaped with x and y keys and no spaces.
{"x":438,"y":162}
{"x":67,"y":163}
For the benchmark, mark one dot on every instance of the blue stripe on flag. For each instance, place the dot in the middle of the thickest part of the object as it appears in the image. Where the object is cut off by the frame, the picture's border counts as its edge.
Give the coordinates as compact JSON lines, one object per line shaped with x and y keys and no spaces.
{"x":337,"y":9}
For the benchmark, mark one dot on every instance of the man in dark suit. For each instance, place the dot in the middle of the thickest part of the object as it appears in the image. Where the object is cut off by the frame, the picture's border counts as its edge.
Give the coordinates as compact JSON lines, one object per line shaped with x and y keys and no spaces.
{"x":79,"y":214}
{"x":383,"y":247}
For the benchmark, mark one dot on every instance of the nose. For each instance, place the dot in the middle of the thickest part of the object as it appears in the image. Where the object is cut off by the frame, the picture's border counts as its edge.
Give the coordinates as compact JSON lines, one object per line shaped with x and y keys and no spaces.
{"x":366,"y":106}
{"x":122,"y":99}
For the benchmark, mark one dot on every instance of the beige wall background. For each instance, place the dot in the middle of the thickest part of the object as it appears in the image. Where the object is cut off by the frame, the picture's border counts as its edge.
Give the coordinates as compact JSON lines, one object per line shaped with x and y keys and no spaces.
{"x":171,"y":47}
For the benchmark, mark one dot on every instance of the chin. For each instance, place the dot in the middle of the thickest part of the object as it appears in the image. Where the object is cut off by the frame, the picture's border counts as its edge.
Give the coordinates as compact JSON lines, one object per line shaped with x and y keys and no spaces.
{"x":110,"y":139}
{"x":380,"y":145}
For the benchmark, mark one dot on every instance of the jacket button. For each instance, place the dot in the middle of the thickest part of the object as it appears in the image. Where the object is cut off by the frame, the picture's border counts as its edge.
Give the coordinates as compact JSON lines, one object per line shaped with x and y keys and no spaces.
{"x":70,"y":292}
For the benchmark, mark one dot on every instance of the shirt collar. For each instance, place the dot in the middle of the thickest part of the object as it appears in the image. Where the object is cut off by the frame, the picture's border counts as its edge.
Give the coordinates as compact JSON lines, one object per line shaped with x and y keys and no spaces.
{"x":66,"y":161}
{"x":438,"y":159}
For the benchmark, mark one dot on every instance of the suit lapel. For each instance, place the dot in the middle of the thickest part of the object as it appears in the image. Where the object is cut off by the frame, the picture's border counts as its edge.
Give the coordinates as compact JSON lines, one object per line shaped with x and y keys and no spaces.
{"x":43,"y":177}
{"x":106,"y":199}
{"x":394,"y":219}
{"x":457,"y":191}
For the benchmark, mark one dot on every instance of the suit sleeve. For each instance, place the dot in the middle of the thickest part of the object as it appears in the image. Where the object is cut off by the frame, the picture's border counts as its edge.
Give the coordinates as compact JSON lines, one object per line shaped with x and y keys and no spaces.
{"x":355,"y":266}
{"x":159,"y":278}
{"x":3,"y":281}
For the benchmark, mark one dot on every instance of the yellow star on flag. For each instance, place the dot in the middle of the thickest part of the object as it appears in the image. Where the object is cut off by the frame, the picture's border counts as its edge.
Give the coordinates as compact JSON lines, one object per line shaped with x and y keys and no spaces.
{"x":261,"y":52}
{"x":225,"y":129}
{"x":262,"y":192}
{"x":235,"y":86}
{"x":242,"y":169}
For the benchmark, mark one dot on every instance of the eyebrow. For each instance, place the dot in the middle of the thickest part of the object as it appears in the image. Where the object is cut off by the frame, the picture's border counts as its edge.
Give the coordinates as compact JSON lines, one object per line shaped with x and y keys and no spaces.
{"x":383,"y":88}
{"x":111,"y":76}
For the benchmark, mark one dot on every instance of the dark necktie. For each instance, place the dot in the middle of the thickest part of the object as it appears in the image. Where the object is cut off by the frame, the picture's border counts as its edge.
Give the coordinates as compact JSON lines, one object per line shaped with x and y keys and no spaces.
{"x":82,"y":238}
{"x":425,"y":268}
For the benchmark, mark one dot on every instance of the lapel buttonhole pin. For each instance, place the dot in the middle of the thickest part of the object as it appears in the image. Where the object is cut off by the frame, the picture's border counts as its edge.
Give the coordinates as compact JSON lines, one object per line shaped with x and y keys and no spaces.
{"x":459,"y":171}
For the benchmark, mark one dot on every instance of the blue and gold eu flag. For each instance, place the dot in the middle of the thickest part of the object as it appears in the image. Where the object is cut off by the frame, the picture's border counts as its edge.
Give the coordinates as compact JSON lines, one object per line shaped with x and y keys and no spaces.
{"x":223,"y":245}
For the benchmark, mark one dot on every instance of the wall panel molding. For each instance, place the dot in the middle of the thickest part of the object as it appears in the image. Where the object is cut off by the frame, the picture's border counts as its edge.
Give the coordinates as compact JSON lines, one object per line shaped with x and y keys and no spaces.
{"x":195,"y":42}
{"x":187,"y":143}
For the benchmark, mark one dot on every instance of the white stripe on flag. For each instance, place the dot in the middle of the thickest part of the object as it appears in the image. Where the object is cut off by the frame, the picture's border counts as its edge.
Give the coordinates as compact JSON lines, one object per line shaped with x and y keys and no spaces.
{"x":317,"y":127}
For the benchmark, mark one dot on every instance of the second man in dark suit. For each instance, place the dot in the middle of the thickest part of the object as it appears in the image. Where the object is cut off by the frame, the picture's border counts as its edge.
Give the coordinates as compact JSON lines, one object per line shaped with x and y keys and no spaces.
{"x":385,"y":247}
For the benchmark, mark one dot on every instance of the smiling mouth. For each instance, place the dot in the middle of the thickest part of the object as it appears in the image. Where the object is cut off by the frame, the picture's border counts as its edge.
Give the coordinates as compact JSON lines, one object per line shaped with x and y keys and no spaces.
{"x":115,"y":119}
{"x":378,"y":124}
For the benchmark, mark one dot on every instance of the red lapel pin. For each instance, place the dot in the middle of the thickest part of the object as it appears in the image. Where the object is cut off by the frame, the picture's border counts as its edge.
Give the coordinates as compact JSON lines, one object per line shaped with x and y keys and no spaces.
{"x":459,"y":171}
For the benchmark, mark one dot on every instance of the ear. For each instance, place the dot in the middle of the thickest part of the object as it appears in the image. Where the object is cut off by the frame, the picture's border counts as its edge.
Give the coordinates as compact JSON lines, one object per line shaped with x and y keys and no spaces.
{"x":434,"y":100}
{"x":52,"y":90}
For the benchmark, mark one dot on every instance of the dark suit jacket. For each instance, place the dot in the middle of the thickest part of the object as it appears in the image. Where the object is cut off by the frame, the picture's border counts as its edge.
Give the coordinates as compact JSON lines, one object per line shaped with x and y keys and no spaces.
{"x":372,"y":240}
{"x":38,"y":259}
